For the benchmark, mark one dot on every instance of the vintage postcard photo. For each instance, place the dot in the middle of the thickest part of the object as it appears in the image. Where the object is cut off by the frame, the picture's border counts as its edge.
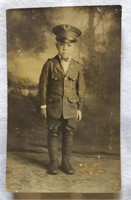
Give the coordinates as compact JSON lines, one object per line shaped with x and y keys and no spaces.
{"x":64,"y":99}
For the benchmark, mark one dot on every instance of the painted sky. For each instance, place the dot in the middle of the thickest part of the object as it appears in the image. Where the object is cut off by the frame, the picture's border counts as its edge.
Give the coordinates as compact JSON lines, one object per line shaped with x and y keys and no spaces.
{"x":30,"y":41}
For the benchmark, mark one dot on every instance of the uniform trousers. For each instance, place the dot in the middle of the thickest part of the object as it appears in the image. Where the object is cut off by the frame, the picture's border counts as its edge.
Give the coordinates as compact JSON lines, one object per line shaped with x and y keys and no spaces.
{"x":67,"y":128}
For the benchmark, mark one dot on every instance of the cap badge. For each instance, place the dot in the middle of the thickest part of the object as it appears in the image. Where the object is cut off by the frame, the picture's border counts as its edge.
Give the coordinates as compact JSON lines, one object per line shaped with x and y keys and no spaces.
{"x":66,"y":27}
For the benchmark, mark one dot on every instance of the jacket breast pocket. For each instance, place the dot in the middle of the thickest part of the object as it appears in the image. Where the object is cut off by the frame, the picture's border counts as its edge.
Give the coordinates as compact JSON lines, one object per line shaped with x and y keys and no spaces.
{"x":56,"y":75}
{"x":72,"y":79}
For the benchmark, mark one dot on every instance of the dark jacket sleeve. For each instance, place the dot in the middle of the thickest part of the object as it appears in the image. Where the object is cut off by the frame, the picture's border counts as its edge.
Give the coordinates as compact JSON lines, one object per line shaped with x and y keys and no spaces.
{"x":80,"y":89}
{"x":43,"y":83}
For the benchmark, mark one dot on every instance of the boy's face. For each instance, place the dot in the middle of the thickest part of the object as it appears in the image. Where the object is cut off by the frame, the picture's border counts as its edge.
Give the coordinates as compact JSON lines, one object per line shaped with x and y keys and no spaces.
{"x":65,"y":50}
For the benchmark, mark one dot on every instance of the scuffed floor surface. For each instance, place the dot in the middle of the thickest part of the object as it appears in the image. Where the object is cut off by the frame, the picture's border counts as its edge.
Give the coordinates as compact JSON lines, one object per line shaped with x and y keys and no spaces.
{"x":27,"y":172}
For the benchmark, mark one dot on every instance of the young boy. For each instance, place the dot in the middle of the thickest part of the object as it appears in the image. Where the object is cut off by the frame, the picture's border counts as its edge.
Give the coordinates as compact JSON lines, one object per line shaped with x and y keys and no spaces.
{"x":61,"y":89}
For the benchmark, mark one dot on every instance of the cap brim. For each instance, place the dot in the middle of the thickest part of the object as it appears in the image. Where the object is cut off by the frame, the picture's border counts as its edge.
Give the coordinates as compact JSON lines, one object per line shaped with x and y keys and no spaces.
{"x":66,"y":40}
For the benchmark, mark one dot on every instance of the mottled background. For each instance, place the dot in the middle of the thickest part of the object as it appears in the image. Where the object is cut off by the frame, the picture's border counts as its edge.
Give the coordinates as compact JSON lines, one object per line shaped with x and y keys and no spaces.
{"x":30,"y":43}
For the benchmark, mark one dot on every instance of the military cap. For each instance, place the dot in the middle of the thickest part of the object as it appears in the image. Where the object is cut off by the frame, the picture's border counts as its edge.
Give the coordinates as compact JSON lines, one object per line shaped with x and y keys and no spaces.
{"x":66,"y":33}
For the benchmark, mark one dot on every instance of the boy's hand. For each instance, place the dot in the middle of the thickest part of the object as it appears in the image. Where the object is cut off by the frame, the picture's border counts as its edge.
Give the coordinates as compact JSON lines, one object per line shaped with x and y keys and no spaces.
{"x":78,"y":115}
{"x":43,"y":113}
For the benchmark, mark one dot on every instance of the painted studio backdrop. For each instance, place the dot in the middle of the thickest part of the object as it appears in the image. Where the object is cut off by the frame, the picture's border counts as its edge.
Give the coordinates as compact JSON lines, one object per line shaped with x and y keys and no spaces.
{"x":30,"y":42}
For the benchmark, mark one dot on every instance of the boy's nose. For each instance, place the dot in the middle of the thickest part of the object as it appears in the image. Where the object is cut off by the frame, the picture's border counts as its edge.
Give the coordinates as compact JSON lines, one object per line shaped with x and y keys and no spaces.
{"x":64,"y":46}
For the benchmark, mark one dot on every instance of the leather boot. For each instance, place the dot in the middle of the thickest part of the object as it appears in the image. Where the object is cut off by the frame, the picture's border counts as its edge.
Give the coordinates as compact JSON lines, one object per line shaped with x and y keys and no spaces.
{"x":53,"y":169}
{"x":67,"y":142}
{"x":53,"y":153}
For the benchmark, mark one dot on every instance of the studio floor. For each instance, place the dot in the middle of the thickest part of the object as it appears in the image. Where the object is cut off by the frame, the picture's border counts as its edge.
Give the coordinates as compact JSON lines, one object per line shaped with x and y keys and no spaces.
{"x":27,"y":172}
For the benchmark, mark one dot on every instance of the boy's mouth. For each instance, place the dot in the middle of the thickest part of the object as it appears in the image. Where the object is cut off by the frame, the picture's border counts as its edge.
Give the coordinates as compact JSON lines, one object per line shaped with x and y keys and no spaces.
{"x":64,"y":53}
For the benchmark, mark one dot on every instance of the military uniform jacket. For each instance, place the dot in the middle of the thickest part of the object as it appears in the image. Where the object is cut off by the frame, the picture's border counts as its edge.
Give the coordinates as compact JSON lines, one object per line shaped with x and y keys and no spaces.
{"x":62,"y":93}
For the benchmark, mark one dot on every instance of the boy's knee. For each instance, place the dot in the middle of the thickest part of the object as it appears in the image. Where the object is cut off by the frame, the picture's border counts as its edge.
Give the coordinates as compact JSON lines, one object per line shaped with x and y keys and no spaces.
{"x":69,"y":132}
{"x":52,"y":134}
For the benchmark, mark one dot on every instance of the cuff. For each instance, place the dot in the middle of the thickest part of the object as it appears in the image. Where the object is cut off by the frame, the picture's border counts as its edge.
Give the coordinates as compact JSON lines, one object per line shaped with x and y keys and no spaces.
{"x":43,"y":106}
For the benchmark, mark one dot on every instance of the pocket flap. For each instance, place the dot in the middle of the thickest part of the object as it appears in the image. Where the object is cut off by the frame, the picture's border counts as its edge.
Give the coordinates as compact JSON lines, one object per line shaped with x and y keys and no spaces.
{"x":56,"y":77}
{"x":53,"y":98}
{"x":73,"y":99}
{"x":73,"y":77}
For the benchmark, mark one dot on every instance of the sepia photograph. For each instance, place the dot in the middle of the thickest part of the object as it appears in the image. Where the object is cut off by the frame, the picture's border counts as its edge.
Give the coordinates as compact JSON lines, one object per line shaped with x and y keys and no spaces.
{"x":64,"y":99}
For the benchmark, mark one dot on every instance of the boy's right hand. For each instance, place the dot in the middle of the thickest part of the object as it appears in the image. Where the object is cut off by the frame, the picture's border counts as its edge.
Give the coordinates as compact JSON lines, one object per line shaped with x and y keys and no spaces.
{"x":43,"y":113}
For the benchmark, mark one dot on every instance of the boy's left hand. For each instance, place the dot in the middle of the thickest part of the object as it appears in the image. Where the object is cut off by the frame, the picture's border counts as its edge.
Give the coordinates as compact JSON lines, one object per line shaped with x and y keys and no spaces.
{"x":78,"y":115}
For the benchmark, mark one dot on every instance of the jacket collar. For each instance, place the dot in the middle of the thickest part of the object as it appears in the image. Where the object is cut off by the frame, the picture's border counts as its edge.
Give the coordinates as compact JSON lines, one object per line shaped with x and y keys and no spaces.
{"x":71,"y":68}
{"x":58,"y":64}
